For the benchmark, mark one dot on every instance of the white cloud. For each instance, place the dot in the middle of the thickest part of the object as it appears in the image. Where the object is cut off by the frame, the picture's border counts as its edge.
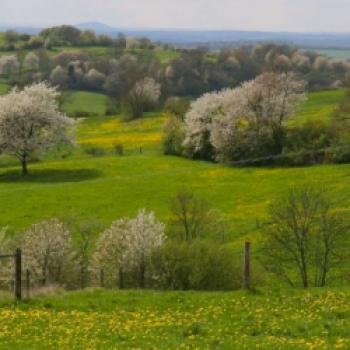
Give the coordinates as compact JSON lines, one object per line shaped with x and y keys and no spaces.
{"x":278,"y":15}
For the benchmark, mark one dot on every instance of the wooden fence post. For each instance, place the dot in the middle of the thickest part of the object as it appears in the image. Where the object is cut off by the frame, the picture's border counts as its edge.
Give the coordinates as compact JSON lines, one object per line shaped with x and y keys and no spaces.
{"x":102,"y":278}
{"x":27,"y":284}
{"x":18,"y":278}
{"x":246,"y":266}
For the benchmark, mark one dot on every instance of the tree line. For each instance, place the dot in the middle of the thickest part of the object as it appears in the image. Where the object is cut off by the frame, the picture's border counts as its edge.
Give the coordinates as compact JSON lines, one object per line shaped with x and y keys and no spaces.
{"x":304,"y":243}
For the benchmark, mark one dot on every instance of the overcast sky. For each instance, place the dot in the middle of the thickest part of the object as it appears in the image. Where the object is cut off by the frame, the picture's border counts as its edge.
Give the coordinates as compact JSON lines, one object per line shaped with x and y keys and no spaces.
{"x":274,"y":15}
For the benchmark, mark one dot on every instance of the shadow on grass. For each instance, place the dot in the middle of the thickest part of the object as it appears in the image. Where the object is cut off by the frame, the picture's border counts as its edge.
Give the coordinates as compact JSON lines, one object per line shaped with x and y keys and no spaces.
{"x":50,"y":176}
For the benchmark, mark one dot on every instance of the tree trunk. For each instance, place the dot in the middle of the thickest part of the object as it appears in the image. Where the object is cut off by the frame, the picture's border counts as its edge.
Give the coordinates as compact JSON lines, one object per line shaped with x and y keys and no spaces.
{"x":24,"y":167}
{"x":121,"y":278}
{"x":142,"y":274}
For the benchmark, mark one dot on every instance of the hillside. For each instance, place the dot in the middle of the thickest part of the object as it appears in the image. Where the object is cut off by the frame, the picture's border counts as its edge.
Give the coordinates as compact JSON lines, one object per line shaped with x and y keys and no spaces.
{"x":92,"y":182}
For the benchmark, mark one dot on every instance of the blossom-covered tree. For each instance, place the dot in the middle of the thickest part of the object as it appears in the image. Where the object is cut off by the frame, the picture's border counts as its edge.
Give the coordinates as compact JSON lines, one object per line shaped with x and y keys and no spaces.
{"x":59,"y":77}
{"x":127,"y":246}
{"x":238,"y":122}
{"x":31,"y":61}
{"x":7,"y":266}
{"x":110,"y":252}
{"x":30,"y":121}
{"x":146,"y":233}
{"x":9,"y":65}
{"x":95,"y":79}
{"x":144,"y":94}
{"x":47,"y":251}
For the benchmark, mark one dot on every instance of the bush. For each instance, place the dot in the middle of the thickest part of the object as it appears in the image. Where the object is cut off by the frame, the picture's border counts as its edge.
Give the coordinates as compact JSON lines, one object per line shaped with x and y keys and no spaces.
{"x":201,"y":265}
{"x":119,"y":149}
{"x":113,"y":107}
{"x":81,"y":114}
{"x":173,"y":136}
{"x":95,"y":151}
{"x":177,"y":106}
{"x":308,"y":144}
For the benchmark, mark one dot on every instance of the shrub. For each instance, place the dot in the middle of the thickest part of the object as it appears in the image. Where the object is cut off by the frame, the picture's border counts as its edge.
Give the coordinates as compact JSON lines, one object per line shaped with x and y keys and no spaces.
{"x":113,"y":107}
{"x":173,"y":136}
{"x":308,"y":144}
{"x":177,"y":106}
{"x":95,"y":151}
{"x":119,"y":149}
{"x":201,"y":265}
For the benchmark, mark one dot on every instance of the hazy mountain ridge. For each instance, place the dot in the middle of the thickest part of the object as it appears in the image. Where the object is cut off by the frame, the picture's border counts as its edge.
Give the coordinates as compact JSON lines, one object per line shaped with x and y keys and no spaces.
{"x":220,"y":37}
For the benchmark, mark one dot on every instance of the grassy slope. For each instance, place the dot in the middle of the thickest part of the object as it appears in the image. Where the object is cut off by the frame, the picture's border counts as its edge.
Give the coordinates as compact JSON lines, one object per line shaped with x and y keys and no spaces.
{"x":320,"y":105}
{"x":105,"y":320}
{"x":84,"y":101}
{"x":104,"y":188}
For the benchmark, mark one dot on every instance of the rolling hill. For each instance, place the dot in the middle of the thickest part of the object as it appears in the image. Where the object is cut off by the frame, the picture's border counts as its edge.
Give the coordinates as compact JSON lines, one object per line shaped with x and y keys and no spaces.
{"x":92,"y":182}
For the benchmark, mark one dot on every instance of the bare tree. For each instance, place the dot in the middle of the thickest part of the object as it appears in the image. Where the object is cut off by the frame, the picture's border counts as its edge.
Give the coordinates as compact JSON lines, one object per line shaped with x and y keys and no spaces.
{"x":305,"y":238}
{"x":191,"y":215}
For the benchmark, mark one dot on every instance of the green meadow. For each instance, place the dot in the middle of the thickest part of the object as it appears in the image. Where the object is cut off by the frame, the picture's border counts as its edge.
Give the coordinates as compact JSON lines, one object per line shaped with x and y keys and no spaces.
{"x":106,"y":320}
{"x":81,"y":185}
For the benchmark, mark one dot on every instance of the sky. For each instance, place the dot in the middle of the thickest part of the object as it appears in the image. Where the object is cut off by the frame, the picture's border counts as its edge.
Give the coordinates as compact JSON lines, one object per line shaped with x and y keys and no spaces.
{"x":261,"y":15}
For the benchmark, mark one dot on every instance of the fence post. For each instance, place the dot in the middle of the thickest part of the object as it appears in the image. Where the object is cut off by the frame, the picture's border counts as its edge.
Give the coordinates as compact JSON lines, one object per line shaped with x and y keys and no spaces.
{"x":246,"y":266}
{"x":102,"y":278}
{"x":18,"y":278}
{"x":27,"y":284}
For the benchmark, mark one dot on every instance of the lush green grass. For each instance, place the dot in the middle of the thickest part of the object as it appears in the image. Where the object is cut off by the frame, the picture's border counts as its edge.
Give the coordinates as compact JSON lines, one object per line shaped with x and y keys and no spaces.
{"x":87,"y":102}
{"x":105,"y":320}
{"x":340,"y":54}
{"x":4,"y":87}
{"x":320,"y":105}
{"x":75,"y":185}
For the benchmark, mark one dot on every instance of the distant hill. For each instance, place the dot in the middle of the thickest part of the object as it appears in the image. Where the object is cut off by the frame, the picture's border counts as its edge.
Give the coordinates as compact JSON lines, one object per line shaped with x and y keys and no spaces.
{"x":213,"y":38}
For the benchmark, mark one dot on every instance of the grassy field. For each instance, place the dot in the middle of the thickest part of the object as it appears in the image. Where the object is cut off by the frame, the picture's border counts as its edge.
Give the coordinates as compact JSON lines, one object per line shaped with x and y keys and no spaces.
{"x":106,"y":320}
{"x":73,"y":184}
{"x":340,"y":54}
{"x":320,"y":105}
{"x":4,"y":88}
{"x":86,"y":102}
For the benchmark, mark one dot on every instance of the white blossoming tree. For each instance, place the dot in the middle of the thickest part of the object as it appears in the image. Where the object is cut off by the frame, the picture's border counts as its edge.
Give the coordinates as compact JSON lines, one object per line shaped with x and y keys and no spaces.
{"x":110,"y":252}
{"x":47,"y":251}
{"x":247,"y":119}
{"x":7,"y":266}
{"x":144,"y":94}
{"x":30,"y":121}
{"x":146,"y":233}
{"x":31,"y":61}
{"x":9,"y":65}
{"x":127,"y":247}
{"x":59,"y":77}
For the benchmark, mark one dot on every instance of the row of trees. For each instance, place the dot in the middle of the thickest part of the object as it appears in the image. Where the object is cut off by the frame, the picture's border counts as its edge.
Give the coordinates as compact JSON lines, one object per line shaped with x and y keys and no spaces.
{"x":189,"y":73}
{"x":67,"y":35}
{"x":305,"y":243}
{"x":132,"y":252}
